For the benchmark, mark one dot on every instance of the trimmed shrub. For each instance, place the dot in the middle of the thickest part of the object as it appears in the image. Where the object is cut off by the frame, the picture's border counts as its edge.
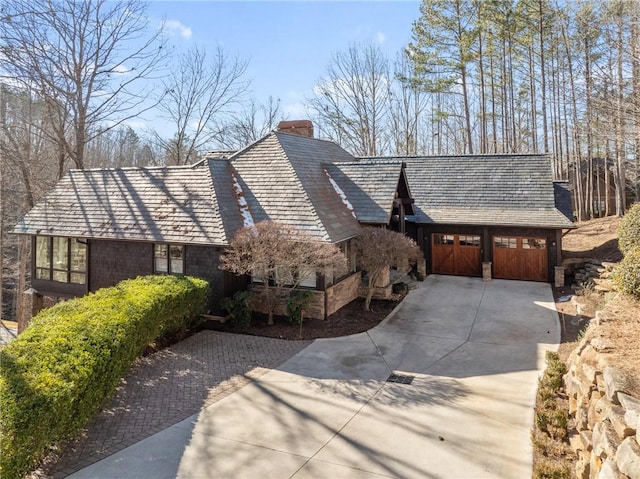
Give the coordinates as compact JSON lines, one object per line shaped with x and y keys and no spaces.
{"x":239,"y":308}
{"x":56,"y":374}
{"x":297,"y":301}
{"x":627,"y":275}
{"x":629,"y":230}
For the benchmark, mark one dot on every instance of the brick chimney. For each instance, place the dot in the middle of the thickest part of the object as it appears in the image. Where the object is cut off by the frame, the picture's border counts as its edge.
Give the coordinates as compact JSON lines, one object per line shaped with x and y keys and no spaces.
{"x":297,"y":127}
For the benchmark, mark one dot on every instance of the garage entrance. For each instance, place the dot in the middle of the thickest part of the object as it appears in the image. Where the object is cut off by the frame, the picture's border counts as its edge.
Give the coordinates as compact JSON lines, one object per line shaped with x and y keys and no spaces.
{"x":523,"y":258}
{"x":456,"y":254}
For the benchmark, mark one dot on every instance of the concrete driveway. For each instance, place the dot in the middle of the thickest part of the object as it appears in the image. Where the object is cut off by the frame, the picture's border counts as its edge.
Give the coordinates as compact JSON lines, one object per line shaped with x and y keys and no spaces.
{"x":473,"y":352}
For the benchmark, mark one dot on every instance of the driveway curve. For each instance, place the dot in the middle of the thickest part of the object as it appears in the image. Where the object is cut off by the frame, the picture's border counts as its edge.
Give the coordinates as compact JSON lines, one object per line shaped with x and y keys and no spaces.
{"x":443,"y":388}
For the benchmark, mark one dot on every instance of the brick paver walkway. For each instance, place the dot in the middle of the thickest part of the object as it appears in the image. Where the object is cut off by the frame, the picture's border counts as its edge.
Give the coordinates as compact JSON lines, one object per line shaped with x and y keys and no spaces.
{"x":171,"y":385}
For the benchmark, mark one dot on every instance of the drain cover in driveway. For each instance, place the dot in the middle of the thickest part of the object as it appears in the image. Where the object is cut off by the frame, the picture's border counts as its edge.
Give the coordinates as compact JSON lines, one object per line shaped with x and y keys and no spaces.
{"x":400,"y":378}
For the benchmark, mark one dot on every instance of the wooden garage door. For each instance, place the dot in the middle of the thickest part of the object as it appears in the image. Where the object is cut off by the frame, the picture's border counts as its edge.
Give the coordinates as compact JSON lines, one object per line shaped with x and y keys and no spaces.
{"x":516,"y":257}
{"x":456,"y":254}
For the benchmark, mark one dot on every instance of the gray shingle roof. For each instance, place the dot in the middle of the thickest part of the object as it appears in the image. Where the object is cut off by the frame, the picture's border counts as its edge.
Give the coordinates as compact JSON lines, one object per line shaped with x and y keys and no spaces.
{"x":509,"y":190}
{"x":305,"y":182}
{"x":562,"y":194}
{"x":170,"y":204}
{"x":282,"y":179}
{"x":370,"y":186}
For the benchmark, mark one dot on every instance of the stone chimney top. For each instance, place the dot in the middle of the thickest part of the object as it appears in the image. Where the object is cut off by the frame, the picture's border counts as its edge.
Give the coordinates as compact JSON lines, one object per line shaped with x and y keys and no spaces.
{"x":297,"y":127}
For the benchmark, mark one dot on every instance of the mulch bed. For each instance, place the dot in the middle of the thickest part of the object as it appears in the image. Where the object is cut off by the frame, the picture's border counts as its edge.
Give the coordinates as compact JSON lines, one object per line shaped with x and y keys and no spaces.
{"x":350,"y":319}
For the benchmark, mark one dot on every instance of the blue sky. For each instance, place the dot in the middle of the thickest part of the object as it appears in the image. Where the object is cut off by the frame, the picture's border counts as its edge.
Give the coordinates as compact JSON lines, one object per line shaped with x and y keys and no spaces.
{"x":288,"y":43}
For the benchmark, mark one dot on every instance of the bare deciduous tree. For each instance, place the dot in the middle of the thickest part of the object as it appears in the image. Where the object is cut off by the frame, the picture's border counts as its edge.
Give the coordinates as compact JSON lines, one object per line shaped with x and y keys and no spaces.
{"x":351,"y":101}
{"x":250,"y":124}
{"x":279,"y":255}
{"x":378,"y":249}
{"x":89,"y":60}
{"x":199,"y":91}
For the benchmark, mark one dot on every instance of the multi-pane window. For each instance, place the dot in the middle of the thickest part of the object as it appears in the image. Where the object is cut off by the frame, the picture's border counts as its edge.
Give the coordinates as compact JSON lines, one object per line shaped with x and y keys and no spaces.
{"x":534,"y":243}
{"x":443,"y":239}
{"x":505,"y":242}
{"x":61,"y":259}
{"x":168,"y":258}
{"x":470,"y":240}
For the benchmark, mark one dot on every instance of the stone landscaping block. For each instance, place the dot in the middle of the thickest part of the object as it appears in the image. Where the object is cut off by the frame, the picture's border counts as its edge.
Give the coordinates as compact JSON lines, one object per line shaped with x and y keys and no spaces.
{"x":570,"y":384}
{"x":602,"y":408}
{"x":609,"y":470}
{"x":628,"y":458}
{"x":585,"y":384}
{"x":605,"y":440}
{"x":592,"y":416}
{"x":576,"y":443}
{"x":595,"y":464}
{"x":615,"y":381}
{"x":632,"y":419}
{"x":573,"y":405}
{"x":582,"y":468}
{"x":587,"y":440}
{"x":582,"y":416}
{"x":601,"y":345}
{"x":617,"y":419}
{"x":590,"y":372}
{"x":629,"y":402}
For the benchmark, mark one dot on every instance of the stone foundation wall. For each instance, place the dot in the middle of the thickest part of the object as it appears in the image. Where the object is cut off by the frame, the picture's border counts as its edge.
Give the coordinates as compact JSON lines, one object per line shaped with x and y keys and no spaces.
{"x":607,"y":417}
{"x":343,"y":293}
{"x":315,"y":309}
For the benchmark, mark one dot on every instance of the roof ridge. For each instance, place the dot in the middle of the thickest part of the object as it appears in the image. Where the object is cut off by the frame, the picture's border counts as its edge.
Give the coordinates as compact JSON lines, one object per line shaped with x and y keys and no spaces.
{"x":135,"y":168}
{"x":248,"y":147}
{"x":324,"y":140}
{"x":482,"y":155}
{"x":214,"y":200}
{"x":309,"y":201}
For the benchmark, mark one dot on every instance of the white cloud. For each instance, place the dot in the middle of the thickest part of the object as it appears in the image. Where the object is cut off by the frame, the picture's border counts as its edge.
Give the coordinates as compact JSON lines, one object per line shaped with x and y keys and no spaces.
{"x":176,"y":27}
{"x":381,"y":38}
{"x":295,"y":111}
{"x":120,"y":69}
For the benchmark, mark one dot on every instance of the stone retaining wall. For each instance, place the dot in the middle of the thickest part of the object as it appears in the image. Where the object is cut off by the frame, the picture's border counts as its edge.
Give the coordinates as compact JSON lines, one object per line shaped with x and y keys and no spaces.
{"x":607,"y":417}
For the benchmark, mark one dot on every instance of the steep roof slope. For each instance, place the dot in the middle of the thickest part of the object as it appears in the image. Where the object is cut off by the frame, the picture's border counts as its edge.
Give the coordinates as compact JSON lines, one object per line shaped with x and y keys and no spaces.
{"x":167,"y":204}
{"x":282,"y":179}
{"x":509,"y":190}
{"x":370,"y":186}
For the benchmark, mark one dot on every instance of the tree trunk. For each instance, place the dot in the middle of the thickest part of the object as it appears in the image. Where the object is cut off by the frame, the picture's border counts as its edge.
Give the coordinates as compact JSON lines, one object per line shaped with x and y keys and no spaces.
{"x":467,"y":112}
{"x":268,"y":299}
{"x":483,"y":100}
{"x":543,"y":80}
{"x":619,"y":177}
{"x":635,"y":72}
{"x":367,"y":300}
{"x":589,"y":127}
{"x":532,"y":90}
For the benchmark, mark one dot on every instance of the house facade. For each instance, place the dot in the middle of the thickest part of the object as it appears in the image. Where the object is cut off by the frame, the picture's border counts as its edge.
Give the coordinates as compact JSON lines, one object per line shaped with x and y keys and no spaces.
{"x":98,"y":227}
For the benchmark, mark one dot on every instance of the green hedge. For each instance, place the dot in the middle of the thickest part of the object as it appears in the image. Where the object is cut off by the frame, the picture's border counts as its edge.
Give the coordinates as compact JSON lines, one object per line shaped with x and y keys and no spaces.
{"x":627,"y":274}
{"x":56,"y":374}
{"x":629,"y":230}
